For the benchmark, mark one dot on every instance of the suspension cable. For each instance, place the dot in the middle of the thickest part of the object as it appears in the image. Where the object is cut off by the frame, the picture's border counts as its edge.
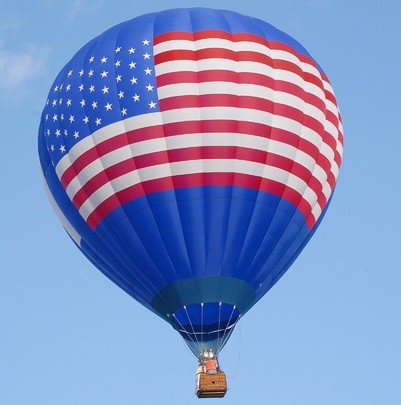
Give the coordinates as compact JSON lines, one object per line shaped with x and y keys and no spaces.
{"x":192,"y":327}
{"x":225,"y":330}
{"x":231,"y":328}
{"x":218,"y":327}
{"x":185,"y":331}
{"x":202,"y":323}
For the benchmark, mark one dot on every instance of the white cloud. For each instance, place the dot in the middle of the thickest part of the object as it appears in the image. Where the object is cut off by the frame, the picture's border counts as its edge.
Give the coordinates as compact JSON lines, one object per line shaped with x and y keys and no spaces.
{"x":18,"y":68}
{"x":21,"y":62}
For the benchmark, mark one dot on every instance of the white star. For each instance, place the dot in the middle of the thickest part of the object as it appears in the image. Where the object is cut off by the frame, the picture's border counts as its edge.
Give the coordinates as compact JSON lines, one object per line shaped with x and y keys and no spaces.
{"x":149,"y":87}
{"x":62,"y":117}
{"x":68,"y":87}
{"x":131,"y":50}
{"x":124,"y":111}
{"x":65,"y":132}
{"x":62,"y":148}
{"x":71,"y":119}
{"x":98,"y":121}
{"x":148,"y":71}
{"x":91,"y":59}
{"x":105,"y":90}
{"x":146,"y":56}
{"x":86,"y":119}
{"x":152,"y":105}
{"x":76,"y":134}
{"x":94,"y":105}
{"x":55,"y":89}
{"x":90,"y":73}
{"x":136,"y":97}
{"x":81,"y":87}
{"x":118,"y":49}
{"x":52,"y":148}
{"x":69,"y":102}
{"x":104,"y":74}
{"x":55,"y":117}
{"x":60,"y":101}
{"x":54,"y":102}
{"x":81,"y":72}
{"x":57,"y":133}
{"x":134,"y":80}
{"x":132,"y":65}
{"x":92,"y":88}
{"x":48,"y":132}
{"x":103,"y":60}
{"x":70,"y":73}
{"x":118,"y":63}
{"x":145,"y":42}
{"x":82,"y":102}
{"x":121,"y":94}
{"x":118,"y":78}
{"x":108,"y":107}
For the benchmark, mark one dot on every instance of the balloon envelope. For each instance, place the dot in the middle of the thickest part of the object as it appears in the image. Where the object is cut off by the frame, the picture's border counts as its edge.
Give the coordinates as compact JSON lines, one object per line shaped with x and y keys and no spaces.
{"x":190,"y":154}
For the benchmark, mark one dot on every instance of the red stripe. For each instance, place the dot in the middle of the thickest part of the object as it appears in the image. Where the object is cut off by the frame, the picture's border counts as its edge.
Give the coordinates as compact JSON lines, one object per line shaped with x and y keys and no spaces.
{"x":206,"y":179}
{"x":255,"y":103}
{"x":237,"y":56}
{"x":107,"y":146}
{"x":266,"y":105}
{"x":191,"y":127}
{"x":239,"y":37}
{"x":190,"y":154}
{"x":239,"y":78}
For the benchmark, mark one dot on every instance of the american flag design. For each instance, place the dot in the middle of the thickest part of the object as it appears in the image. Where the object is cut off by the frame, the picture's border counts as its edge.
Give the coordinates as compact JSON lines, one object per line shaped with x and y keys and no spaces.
{"x":182,"y":101}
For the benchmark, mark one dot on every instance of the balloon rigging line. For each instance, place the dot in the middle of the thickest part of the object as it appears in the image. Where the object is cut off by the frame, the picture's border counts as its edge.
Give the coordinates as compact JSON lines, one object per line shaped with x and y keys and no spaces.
{"x":218,"y":332}
{"x":225,"y":330}
{"x":202,"y":323}
{"x":184,"y":330}
{"x":192,"y":327}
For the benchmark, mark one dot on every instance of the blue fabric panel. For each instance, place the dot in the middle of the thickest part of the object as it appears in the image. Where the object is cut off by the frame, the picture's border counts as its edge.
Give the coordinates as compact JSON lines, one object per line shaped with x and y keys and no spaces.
{"x":158,"y":233}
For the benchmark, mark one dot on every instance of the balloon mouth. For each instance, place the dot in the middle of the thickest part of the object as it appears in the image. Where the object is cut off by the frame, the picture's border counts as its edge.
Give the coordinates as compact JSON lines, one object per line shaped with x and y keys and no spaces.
{"x":204,"y":310}
{"x":206,"y":325}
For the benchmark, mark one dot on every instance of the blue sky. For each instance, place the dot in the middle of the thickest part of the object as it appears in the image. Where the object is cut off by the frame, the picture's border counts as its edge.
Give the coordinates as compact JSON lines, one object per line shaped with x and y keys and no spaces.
{"x":328,"y":333}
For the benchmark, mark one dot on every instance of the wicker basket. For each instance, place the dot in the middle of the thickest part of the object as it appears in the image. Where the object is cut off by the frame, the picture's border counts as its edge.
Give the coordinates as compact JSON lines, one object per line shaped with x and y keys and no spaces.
{"x":211,"y":385}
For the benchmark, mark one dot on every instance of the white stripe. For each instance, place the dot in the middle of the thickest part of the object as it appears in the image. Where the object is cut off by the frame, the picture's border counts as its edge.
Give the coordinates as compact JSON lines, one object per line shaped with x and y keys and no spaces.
{"x":197,"y":166}
{"x":331,"y":107}
{"x":235,"y":89}
{"x":237,"y":46}
{"x":250,"y":115}
{"x":190,"y":114}
{"x":63,"y":219}
{"x":198,"y":140}
{"x":104,"y":134}
{"x":170,"y":143}
{"x":240,"y":67}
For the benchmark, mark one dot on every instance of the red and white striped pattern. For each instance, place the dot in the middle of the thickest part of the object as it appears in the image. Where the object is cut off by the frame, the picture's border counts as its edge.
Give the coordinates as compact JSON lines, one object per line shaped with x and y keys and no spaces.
{"x":234,"y":110}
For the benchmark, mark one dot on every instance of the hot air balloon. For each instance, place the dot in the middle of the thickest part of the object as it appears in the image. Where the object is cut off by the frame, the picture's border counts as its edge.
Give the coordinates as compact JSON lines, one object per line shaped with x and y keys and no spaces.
{"x":190,"y":154}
